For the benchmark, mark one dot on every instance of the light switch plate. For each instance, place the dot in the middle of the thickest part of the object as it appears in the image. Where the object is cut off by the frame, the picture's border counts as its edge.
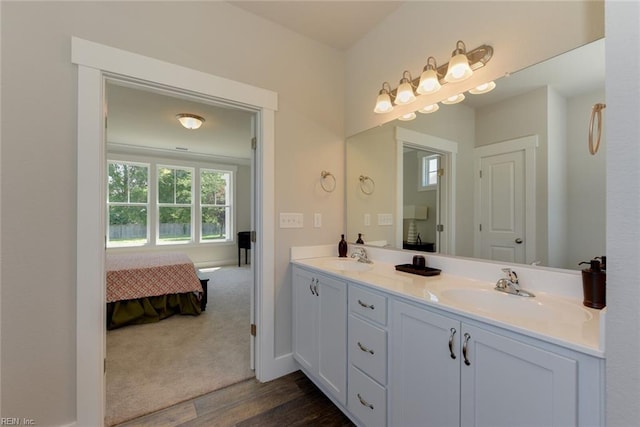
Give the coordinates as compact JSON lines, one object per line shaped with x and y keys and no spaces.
{"x":317,"y":220}
{"x":367,"y":219}
{"x":291,"y":220}
{"x":385,"y":219}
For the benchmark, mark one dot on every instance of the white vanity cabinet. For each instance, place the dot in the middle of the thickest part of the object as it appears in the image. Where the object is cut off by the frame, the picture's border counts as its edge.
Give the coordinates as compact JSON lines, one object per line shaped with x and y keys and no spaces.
{"x":367,"y":349}
{"x":320,"y":329}
{"x":444,"y":372}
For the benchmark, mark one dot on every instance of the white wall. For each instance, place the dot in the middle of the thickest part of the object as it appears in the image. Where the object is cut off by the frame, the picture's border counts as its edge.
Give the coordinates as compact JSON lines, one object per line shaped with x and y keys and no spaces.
{"x":623,"y":204}
{"x":38,"y":161}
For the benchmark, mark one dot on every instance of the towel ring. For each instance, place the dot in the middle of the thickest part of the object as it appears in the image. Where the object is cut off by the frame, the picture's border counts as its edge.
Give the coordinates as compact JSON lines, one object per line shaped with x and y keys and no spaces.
{"x":324,"y":175}
{"x":596,"y":113}
{"x":364,"y":186}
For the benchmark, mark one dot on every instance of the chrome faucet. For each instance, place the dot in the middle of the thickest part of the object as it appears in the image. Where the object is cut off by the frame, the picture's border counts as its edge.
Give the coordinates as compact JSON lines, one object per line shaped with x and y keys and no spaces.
{"x":361,"y":255}
{"x":511,"y":285}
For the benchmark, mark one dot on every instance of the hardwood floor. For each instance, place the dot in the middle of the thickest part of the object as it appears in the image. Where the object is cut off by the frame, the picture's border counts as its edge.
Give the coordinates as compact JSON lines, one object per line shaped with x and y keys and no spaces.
{"x":292,"y":400}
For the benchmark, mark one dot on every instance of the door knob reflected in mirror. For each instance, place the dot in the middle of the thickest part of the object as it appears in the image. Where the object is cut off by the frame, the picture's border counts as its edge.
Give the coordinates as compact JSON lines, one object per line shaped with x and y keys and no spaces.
{"x":518,"y":240}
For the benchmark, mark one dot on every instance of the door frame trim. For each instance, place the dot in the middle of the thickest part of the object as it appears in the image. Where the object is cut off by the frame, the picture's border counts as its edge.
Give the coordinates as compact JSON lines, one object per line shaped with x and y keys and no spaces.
{"x":95,"y":63}
{"x":528,"y":144}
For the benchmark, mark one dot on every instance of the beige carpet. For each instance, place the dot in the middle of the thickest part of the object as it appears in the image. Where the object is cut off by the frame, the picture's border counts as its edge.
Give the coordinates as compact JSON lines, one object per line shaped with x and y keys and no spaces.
{"x":153,"y":366}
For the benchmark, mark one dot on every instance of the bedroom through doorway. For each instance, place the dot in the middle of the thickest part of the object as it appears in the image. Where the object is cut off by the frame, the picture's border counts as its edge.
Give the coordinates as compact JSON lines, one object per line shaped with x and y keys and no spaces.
{"x":189,"y":191}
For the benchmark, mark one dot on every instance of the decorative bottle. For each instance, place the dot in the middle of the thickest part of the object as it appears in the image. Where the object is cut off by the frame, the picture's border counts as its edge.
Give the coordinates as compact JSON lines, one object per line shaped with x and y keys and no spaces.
{"x":342,"y":247}
{"x":360,"y":241}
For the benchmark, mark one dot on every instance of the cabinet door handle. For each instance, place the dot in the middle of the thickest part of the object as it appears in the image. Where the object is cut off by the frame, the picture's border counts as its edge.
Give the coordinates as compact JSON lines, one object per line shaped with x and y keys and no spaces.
{"x":467,"y":337}
{"x":364,"y":402}
{"x":311,"y":287}
{"x":316,"y":288}
{"x":365,"y":349}
{"x":453,"y":332}
{"x":366,"y":305}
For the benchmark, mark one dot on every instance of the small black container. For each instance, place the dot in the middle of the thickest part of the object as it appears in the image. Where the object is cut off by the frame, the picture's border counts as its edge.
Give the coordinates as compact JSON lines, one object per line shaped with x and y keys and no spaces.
{"x":418,"y":261}
{"x":594,"y":288}
{"x":342,"y":247}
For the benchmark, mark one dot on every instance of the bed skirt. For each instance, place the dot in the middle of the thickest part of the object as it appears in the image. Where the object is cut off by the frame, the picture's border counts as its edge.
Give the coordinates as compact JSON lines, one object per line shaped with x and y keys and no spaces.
{"x":151,"y":309}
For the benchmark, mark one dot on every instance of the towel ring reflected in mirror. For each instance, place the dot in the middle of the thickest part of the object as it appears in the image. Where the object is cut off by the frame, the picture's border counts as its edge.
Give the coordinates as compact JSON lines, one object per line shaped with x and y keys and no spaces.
{"x":367,"y":185}
{"x":596,"y":117}
{"x":327,"y":176}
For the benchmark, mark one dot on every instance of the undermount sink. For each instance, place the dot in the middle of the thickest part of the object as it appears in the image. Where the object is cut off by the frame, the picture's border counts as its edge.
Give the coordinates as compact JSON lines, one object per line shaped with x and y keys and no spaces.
{"x":347,"y":264}
{"x":517,"y":307}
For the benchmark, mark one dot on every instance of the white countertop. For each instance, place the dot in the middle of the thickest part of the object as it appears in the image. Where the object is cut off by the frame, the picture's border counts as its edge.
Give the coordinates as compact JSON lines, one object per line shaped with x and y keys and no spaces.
{"x":558,"y":319}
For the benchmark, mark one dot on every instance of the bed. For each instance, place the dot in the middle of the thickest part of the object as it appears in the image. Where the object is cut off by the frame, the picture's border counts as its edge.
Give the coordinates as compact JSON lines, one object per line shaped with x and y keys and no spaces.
{"x":149,"y":287}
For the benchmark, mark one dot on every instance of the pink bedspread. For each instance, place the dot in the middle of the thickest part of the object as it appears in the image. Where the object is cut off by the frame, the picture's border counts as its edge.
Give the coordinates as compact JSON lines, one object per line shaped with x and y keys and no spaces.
{"x":133,"y":276}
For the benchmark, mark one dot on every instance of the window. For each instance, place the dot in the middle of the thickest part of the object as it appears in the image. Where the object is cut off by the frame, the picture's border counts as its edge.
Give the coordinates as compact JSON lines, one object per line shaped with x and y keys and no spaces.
{"x":215,"y":207}
{"x":127,"y":204}
{"x":175,"y":204}
{"x":429,"y":165}
{"x":155,"y":201}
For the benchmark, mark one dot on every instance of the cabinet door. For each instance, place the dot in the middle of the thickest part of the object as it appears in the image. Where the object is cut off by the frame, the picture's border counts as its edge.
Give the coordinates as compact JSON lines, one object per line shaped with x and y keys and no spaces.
{"x":332,"y":335}
{"x":509,"y":383}
{"x":305,"y":317}
{"x":424,"y":380}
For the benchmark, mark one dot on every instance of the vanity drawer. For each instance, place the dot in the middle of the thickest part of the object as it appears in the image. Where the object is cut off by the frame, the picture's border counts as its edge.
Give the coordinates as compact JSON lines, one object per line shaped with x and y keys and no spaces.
{"x":367,"y":399}
{"x":368,"y":348}
{"x":368,"y":304}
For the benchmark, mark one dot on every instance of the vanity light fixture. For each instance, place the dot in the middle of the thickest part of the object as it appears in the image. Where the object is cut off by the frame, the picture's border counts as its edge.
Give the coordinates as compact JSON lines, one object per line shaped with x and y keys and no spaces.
{"x":483,"y":88}
{"x":429,"y":81}
{"x":190,"y":121}
{"x":459,"y":68}
{"x":405,"y":93}
{"x":429,"y":109}
{"x":383,"y":103}
{"x":453,"y":99}
{"x":407,"y":117}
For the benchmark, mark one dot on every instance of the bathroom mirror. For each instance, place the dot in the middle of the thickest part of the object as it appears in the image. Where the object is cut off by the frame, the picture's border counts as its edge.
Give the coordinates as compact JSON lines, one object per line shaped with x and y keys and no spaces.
{"x":416,"y":184}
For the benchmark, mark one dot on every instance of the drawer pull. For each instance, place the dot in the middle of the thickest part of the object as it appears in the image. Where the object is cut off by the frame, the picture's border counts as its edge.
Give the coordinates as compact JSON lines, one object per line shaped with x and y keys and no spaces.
{"x":464,"y":348}
{"x":366,"y":305}
{"x":315,"y":288}
{"x":364,"y":402}
{"x":311,"y":287}
{"x":453,"y":332}
{"x":365,"y":349}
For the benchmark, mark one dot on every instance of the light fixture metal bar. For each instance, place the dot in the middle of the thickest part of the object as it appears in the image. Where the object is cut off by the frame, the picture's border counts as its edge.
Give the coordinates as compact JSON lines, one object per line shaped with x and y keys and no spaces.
{"x":477,"y":57}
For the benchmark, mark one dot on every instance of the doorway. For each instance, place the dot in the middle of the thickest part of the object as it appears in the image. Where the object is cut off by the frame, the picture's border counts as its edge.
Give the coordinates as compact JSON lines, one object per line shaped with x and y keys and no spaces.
{"x":96,"y":63}
{"x":173,"y":189}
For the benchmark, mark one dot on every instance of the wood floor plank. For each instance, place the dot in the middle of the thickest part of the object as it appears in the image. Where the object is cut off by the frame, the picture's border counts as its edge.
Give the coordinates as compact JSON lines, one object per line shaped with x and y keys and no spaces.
{"x":172,"y":416}
{"x":292,"y":400}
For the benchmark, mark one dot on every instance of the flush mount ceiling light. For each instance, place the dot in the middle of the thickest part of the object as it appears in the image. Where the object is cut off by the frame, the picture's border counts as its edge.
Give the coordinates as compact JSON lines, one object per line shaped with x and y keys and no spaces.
{"x":190,"y":121}
{"x":483,"y":88}
{"x":461,"y":66}
{"x":429,"y":81}
{"x":383,"y":103}
{"x":453,"y":99}
{"x":405,"y":93}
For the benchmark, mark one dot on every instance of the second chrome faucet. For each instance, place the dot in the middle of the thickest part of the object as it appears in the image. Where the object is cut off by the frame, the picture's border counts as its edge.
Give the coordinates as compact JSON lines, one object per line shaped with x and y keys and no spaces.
{"x":511,"y":285}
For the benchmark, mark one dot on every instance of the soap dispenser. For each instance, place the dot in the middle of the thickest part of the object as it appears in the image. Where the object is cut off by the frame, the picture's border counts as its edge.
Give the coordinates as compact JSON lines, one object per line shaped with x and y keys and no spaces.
{"x":342,"y":247}
{"x":594,"y":281}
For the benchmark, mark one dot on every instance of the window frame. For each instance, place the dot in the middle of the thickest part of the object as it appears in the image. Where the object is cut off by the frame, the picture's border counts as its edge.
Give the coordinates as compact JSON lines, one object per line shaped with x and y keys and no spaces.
{"x":427,"y":157}
{"x":180,"y":162}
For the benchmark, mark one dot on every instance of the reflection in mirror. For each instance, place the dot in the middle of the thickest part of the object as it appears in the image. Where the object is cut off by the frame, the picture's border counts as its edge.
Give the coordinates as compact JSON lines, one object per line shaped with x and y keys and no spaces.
{"x":528,"y":137}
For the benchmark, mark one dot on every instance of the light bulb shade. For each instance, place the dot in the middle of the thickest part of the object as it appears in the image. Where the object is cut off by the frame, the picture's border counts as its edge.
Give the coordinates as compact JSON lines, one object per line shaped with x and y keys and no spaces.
{"x":407,"y":117}
{"x":429,"y":82}
{"x":427,"y":109}
{"x":190,"y":121}
{"x":483,"y":88}
{"x":405,"y":93}
{"x":453,"y":99}
{"x":458,"y":69}
{"x":383,"y":103}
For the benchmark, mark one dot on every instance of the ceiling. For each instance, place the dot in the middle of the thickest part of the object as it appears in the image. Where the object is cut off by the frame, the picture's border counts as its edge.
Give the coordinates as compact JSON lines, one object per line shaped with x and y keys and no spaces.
{"x":339,"y":24}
